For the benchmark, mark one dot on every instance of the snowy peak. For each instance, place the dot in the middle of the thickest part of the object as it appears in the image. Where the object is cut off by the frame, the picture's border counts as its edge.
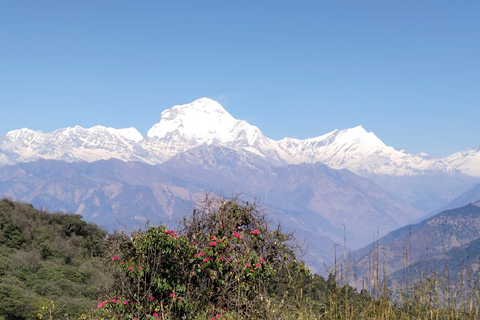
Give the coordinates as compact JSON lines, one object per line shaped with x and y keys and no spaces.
{"x":69,"y":144}
{"x":349,"y":137}
{"x":467,"y":161}
{"x":357,"y":150}
{"x":203,"y":121}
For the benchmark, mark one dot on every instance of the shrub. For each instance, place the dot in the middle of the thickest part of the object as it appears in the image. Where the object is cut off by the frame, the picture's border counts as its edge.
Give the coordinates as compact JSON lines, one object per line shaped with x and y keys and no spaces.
{"x":222,"y":259}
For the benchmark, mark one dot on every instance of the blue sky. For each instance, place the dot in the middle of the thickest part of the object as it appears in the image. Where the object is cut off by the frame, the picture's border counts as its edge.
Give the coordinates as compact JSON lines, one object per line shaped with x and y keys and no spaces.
{"x":407,"y":70}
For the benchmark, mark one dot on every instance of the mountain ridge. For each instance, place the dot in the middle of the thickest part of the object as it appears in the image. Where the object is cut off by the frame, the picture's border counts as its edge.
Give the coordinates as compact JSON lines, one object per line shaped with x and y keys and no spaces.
{"x":205,"y":121}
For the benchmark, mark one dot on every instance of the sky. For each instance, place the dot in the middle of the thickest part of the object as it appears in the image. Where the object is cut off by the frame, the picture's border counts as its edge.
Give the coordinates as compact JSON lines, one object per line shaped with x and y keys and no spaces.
{"x":408,"y":70}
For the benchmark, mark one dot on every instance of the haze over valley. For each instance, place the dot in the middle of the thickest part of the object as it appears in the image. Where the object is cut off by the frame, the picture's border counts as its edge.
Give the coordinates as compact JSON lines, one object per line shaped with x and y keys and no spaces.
{"x":347,"y":179}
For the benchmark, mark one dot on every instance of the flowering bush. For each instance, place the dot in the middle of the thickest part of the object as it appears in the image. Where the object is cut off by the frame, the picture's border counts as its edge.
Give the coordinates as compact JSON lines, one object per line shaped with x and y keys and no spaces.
{"x":223,"y":258}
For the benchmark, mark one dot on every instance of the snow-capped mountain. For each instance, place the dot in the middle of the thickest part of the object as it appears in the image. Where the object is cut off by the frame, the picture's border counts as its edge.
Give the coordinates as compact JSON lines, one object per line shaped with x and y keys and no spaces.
{"x":71,"y":144}
{"x":359,"y":151}
{"x":467,"y":161}
{"x":200,"y":147}
{"x":205,"y":121}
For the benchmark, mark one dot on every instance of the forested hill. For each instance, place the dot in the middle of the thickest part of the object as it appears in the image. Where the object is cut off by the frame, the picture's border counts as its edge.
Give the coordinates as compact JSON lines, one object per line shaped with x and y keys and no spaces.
{"x":48,"y":257}
{"x":450,"y":238}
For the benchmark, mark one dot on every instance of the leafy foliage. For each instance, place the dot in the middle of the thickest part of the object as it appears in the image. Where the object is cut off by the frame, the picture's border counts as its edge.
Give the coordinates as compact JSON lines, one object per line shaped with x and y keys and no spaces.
{"x":224,"y":258}
{"x":48,"y":256}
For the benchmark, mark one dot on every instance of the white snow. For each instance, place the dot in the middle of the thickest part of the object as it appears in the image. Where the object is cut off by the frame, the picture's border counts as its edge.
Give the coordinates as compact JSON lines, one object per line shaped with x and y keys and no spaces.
{"x":205,"y":121}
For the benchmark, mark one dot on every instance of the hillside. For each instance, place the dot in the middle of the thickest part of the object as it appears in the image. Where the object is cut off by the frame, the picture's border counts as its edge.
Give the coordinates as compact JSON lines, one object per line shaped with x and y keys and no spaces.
{"x":450,"y":239}
{"x":48,"y":257}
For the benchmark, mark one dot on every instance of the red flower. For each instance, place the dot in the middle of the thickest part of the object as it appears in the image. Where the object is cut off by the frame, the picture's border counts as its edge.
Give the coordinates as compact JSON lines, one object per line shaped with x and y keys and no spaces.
{"x":115,"y":258}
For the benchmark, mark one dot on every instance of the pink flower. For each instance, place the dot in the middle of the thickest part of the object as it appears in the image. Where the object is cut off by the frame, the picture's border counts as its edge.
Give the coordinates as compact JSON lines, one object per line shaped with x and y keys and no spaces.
{"x":179,"y":298}
{"x":196,"y":255}
{"x":115,"y":258}
{"x":248,"y":266}
{"x":220,"y":259}
{"x":150,"y":298}
{"x":124,"y":301}
{"x":130,"y":268}
{"x":155,"y":314}
{"x":258,"y":265}
{"x":261,"y":260}
{"x":218,"y":316}
{"x":213,"y":244}
{"x":202,"y":254}
{"x":168,"y":231}
{"x":172,"y":294}
{"x":205,"y":260}
{"x":256,"y":231}
{"x":194,"y":243}
{"x":174,"y":234}
{"x":213,"y":238}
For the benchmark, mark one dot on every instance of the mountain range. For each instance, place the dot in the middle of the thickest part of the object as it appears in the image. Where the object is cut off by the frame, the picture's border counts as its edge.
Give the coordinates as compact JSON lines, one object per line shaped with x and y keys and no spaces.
{"x":343,"y":180}
{"x":205,"y":121}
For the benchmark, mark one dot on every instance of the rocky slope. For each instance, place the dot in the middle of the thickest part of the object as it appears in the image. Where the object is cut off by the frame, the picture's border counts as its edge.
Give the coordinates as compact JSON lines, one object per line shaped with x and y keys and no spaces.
{"x":430,"y":242}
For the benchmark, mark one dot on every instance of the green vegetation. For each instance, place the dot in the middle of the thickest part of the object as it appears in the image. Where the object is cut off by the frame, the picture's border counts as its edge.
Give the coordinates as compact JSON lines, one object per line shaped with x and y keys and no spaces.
{"x":225,"y":261}
{"x":48,"y":257}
